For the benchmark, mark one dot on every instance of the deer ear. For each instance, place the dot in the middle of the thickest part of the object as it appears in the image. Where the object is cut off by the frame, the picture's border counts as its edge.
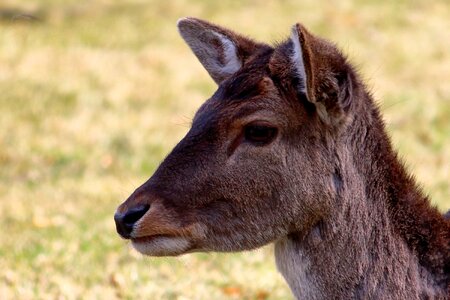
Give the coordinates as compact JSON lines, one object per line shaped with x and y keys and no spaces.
{"x":322,"y":74}
{"x":221,"y":51}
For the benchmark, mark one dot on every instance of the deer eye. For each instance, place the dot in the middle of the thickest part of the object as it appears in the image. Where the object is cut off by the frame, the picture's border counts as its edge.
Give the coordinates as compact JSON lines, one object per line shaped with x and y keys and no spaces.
{"x":259,"y":134}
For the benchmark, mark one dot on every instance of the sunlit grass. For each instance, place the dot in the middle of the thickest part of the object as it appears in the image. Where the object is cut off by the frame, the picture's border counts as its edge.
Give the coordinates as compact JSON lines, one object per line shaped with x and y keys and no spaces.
{"x":93,"y":94}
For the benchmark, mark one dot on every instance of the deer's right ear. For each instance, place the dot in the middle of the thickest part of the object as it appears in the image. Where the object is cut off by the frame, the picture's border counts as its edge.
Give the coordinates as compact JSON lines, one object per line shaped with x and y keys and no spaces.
{"x":322,"y":74}
{"x":221,"y":51}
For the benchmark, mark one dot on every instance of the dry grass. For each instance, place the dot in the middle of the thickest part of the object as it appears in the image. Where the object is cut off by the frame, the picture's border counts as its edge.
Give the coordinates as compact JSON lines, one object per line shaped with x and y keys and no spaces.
{"x":95,"y":93}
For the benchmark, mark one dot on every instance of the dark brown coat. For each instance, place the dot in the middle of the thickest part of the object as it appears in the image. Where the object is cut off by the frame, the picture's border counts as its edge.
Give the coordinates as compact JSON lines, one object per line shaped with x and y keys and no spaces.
{"x":292,"y":150}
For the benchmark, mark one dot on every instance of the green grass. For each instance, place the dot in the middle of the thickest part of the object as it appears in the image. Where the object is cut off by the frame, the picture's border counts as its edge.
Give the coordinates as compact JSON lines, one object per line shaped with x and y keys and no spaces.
{"x":93,"y":94}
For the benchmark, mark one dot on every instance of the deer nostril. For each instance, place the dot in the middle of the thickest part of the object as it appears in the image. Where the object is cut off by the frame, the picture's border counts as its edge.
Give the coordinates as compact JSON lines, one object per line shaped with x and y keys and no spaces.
{"x":133,"y":215}
{"x":126,"y":221}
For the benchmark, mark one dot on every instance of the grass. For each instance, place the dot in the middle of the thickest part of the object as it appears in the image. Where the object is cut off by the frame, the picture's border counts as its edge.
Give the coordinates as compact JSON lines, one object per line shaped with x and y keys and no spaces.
{"x":95,"y":93}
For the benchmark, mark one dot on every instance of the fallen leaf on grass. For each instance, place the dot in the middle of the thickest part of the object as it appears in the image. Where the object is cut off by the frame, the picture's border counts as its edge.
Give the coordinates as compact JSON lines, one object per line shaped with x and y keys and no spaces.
{"x":232,"y":291}
{"x":117,"y":280}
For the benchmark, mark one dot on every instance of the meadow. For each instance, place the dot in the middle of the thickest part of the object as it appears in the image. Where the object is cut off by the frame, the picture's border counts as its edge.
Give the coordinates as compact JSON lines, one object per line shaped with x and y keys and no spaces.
{"x":93,"y":94}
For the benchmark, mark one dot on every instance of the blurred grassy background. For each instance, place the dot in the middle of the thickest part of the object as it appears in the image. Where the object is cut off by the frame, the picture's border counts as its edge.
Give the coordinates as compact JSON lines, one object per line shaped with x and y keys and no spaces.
{"x":93,"y":94}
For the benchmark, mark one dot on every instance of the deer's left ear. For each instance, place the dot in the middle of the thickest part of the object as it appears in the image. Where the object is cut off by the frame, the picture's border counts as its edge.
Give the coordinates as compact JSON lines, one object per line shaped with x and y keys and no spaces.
{"x":322,"y":74}
{"x":221,"y":51}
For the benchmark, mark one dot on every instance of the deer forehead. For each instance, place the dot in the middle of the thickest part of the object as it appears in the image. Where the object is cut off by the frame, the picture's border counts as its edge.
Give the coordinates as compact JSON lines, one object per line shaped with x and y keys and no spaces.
{"x":242,"y":98}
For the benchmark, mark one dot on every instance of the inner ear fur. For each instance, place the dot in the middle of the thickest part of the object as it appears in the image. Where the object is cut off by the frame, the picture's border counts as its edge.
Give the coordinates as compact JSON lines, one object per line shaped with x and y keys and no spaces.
{"x":318,"y":70}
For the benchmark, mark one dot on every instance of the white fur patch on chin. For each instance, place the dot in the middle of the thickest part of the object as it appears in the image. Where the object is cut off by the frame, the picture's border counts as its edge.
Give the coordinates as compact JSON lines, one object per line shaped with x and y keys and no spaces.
{"x":162,"y":246}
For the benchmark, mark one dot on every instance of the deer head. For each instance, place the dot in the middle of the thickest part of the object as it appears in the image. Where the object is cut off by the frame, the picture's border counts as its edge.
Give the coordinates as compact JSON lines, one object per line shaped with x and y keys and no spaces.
{"x":259,"y":161}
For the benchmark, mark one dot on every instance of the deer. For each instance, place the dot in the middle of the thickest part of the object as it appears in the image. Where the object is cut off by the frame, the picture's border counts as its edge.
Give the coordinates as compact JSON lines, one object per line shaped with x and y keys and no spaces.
{"x":291,"y":150}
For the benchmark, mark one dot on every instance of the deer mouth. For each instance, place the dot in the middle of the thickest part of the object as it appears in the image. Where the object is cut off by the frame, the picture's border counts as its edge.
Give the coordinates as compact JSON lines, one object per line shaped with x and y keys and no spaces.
{"x":149,"y":238}
{"x":161,"y":245}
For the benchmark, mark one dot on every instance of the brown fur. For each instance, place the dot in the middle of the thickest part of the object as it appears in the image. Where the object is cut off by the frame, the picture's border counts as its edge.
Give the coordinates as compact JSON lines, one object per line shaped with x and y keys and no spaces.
{"x":347,"y":220}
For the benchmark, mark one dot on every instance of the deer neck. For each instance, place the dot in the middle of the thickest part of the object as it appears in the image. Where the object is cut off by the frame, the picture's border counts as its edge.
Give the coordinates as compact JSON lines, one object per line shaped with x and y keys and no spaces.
{"x":351,"y":259}
{"x":359,"y":251}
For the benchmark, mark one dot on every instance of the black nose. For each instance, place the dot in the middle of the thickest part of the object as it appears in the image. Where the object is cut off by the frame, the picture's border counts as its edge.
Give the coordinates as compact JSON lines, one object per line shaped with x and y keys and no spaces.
{"x":125,"y":221}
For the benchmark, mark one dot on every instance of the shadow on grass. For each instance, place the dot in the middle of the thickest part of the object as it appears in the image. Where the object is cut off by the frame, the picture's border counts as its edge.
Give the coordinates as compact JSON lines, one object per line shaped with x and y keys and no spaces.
{"x":15,"y":15}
